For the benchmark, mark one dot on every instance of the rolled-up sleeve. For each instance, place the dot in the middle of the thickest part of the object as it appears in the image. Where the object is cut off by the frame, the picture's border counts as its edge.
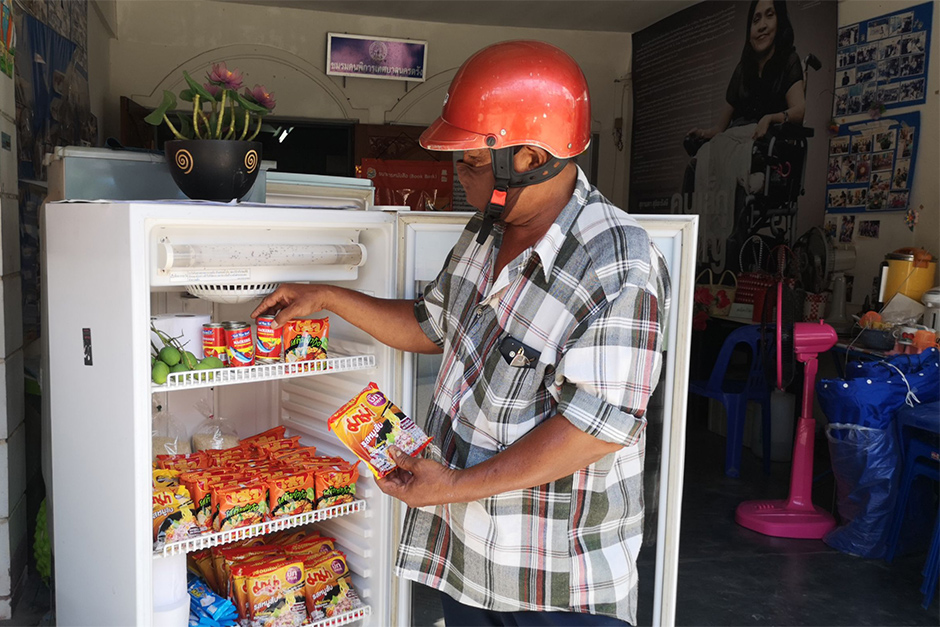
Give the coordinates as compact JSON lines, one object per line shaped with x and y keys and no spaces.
{"x":429,"y":306}
{"x":606,"y":377}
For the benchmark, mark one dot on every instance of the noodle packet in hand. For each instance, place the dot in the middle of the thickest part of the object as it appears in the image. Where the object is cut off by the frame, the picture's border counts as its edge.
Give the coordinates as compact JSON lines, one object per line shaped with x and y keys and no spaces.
{"x":370,"y":423}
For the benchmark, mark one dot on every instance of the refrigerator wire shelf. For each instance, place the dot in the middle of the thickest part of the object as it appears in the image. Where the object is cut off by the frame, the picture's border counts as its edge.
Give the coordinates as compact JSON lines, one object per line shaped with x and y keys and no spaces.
{"x":344,"y":619}
{"x":243,"y":533}
{"x":263,"y":372}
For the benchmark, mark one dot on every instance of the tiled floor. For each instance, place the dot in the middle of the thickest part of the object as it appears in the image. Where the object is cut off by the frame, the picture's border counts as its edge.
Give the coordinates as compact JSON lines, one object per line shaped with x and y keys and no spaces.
{"x":729,"y":575}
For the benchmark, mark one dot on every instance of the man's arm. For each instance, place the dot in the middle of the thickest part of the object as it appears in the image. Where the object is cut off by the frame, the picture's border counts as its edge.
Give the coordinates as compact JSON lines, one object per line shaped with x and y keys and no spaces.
{"x":551,"y":451}
{"x":391,"y":322}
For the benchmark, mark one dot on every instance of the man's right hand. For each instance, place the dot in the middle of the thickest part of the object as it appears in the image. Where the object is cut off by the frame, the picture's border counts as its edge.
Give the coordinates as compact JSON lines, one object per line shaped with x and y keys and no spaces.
{"x":293,"y":300}
{"x":390,"y":321}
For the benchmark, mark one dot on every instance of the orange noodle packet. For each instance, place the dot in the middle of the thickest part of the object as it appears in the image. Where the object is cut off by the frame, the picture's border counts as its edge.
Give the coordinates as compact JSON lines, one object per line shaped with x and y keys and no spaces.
{"x":173,"y":518}
{"x":276,"y":597}
{"x":183,"y":463}
{"x":306,"y":340}
{"x":239,"y":506}
{"x":275,"y":433}
{"x":370,"y":423}
{"x":326,"y":585}
{"x":335,"y":484}
{"x":291,"y":494}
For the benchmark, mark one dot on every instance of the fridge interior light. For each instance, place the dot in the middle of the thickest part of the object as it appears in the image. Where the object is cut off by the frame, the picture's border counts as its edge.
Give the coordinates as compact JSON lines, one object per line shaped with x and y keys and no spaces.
{"x":171,"y":255}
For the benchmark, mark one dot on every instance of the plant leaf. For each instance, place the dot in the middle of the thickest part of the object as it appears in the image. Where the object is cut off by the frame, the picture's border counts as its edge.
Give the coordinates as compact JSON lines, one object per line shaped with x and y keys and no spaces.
{"x":156,"y":116}
{"x":247,"y":104}
{"x":187,"y":95}
{"x":197,"y":88}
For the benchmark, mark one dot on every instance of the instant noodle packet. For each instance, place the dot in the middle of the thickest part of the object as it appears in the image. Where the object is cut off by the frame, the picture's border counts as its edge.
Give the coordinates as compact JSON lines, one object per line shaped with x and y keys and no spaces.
{"x":274,"y":433}
{"x":335,"y":484}
{"x":370,"y":423}
{"x":183,"y":463}
{"x":173,"y":518}
{"x":276,"y":597}
{"x":200,"y":562}
{"x":306,"y":340}
{"x":321,"y":575}
{"x":313,"y":546}
{"x":239,"y":506}
{"x":291,"y":494}
{"x":163,"y":479}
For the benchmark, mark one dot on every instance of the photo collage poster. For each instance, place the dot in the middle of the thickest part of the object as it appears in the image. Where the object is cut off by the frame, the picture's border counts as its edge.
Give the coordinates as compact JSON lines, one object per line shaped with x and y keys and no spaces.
{"x":883,"y":61}
{"x":871,"y":165}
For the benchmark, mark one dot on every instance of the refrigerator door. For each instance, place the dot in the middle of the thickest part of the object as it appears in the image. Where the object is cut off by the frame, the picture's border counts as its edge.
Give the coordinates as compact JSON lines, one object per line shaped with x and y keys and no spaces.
{"x":425,"y":238}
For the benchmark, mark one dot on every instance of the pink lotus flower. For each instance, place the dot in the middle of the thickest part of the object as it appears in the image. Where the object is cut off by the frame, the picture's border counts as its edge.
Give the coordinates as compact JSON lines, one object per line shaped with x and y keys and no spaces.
{"x":261,"y":96}
{"x":224,"y":77}
{"x":215,"y":90}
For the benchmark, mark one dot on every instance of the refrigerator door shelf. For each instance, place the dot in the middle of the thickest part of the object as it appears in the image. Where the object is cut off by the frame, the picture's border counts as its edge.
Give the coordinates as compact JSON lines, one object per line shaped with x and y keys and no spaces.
{"x":208,"y":540}
{"x":344,"y":619}
{"x":262,"y":372}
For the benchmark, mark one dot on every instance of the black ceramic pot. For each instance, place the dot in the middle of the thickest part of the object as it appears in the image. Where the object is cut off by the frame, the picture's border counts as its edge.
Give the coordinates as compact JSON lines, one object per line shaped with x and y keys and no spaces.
{"x":213,"y":169}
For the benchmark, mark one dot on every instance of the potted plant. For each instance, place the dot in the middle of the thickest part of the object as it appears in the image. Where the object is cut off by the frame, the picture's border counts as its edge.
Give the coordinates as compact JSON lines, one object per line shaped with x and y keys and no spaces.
{"x":214,"y":155}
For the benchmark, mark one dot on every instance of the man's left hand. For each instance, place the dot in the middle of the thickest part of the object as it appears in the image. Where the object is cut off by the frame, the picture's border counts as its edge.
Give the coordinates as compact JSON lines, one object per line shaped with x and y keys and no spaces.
{"x":419,"y":482}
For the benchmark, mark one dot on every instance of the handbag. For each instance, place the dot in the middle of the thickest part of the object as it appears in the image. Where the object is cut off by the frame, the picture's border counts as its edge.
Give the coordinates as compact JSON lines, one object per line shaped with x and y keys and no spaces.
{"x":720,"y":296}
{"x":752,"y":283}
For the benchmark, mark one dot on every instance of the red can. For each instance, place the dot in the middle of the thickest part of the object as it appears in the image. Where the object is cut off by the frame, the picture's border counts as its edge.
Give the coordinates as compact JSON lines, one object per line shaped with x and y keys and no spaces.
{"x":239,"y":345}
{"x":268,"y":346}
{"x":213,"y":341}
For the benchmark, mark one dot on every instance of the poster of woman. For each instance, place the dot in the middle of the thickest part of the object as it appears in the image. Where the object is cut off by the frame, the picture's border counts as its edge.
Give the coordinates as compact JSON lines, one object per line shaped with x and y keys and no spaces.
{"x":695,"y":124}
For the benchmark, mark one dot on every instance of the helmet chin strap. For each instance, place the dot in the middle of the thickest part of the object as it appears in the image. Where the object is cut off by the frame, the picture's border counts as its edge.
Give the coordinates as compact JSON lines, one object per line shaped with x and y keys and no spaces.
{"x":507,"y":177}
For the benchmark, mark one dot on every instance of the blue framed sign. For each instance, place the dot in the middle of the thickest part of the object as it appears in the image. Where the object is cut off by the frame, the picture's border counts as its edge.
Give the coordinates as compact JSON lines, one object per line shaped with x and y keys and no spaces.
{"x":376,"y":57}
{"x":883,"y":61}
{"x":871,"y":164}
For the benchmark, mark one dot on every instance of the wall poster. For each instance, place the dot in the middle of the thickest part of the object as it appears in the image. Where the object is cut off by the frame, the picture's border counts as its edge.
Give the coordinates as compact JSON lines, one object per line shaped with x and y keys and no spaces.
{"x":871,"y":164}
{"x":713,"y":72}
{"x":882,"y":62}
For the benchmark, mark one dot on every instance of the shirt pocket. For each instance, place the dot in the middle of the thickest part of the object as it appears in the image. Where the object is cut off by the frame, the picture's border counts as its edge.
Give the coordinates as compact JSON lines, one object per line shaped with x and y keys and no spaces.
{"x":511,"y":399}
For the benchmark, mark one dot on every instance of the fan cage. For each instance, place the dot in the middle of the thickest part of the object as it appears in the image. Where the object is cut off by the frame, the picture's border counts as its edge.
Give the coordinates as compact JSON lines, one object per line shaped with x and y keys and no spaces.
{"x":230,"y":294}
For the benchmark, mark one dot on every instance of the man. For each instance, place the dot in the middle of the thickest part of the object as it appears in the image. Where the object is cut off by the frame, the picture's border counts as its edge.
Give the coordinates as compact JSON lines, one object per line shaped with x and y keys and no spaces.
{"x":527,"y":507}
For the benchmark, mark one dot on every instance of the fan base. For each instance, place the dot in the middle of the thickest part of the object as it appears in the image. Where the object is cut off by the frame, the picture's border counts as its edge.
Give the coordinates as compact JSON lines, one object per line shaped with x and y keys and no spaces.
{"x":781,"y":520}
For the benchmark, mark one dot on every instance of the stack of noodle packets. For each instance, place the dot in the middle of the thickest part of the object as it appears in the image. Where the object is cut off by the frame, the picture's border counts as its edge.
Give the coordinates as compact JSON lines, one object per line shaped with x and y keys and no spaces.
{"x":370,"y":423}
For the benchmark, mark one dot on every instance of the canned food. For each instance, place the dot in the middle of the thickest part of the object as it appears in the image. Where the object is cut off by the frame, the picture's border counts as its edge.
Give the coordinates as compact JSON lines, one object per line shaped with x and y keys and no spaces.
{"x":268,"y":346}
{"x":213,"y":341}
{"x":238,"y":344}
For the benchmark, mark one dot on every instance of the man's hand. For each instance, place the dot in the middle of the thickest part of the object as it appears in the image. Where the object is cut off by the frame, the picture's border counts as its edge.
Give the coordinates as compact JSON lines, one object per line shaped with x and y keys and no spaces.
{"x":419,"y":482}
{"x":294,"y":301}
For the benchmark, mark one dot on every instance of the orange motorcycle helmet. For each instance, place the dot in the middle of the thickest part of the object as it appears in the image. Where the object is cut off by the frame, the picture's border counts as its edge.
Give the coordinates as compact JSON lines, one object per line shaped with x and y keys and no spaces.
{"x":515,"y":93}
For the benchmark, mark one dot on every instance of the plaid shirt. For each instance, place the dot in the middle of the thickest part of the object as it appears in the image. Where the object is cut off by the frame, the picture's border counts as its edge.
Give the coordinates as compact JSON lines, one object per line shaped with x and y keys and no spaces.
{"x":588,"y":298}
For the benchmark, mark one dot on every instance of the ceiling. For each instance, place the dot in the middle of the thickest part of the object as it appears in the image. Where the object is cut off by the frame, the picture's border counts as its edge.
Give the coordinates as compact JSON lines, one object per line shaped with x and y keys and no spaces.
{"x":623,"y":16}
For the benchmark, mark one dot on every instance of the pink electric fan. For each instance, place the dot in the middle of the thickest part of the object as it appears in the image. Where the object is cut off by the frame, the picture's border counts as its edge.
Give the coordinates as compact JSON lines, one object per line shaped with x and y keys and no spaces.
{"x":795,"y":517}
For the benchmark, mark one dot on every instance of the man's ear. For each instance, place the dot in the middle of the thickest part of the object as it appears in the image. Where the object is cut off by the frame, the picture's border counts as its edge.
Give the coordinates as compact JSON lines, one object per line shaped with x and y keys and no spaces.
{"x":530,"y":158}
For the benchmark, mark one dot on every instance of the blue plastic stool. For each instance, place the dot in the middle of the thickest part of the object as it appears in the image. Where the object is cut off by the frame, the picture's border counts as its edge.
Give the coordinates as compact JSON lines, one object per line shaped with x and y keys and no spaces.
{"x":921,"y":457}
{"x":735,"y":393}
{"x":931,"y":568}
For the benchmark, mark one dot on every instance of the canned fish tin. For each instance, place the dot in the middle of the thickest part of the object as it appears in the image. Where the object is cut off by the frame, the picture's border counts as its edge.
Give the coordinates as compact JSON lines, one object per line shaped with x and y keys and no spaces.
{"x":268,"y":346}
{"x":213,"y":341}
{"x":238,"y":344}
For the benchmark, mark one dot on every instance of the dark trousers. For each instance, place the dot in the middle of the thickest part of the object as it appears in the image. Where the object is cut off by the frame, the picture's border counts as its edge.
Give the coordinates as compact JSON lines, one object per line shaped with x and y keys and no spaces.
{"x":460,"y":615}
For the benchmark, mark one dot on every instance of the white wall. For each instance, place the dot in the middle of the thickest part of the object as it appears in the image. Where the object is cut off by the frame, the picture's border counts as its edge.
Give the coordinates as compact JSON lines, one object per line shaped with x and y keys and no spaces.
{"x":285,"y":49}
{"x":925,"y":188}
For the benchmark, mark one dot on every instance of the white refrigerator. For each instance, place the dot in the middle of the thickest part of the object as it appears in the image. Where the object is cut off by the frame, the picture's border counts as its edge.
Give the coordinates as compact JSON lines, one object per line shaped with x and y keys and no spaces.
{"x":109,"y":266}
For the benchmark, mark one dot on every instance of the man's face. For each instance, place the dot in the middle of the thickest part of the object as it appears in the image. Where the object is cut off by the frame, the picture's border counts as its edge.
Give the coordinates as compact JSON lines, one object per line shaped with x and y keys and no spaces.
{"x":476,"y":175}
